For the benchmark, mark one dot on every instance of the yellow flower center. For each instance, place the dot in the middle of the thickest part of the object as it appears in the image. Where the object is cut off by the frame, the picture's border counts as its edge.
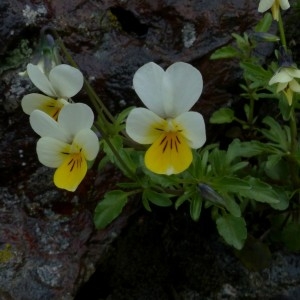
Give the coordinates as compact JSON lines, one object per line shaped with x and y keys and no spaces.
{"x":53,"y":107}
{"x":72,"y":171}
{"x":170,"y":153}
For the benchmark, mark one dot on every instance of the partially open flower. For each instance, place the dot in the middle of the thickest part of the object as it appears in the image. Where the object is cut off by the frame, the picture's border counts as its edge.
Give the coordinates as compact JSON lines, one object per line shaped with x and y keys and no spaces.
{"x":167,"y":124}
{"x":62,"y":83}
{"x":286,"y":82}
{"x":66,"y":144}
{"x":275,"y":5}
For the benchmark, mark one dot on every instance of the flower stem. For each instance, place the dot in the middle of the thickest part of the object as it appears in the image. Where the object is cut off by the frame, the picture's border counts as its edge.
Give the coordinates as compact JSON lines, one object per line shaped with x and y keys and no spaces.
{"x":293,"y":150}
{"x":281,"y":32}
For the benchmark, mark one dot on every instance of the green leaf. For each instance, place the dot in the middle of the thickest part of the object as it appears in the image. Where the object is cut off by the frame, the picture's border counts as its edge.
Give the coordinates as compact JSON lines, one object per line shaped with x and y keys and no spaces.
{"x":283,"y":199}
{"x":184,"y":197}
{"x":109,"y":208}
{"x":223,"y":115}
{"x":232,"y":207}
{"x":233,"y":230}
{"x":225,"y":52}
{"x":265,"y":23}
{"x":244,"y":149}
{"x":195,"y":206}
{"x":124,"y":153}
{"x":276,"y":133}
{"x":259,"y":191}
{"x":156,"y":198}
{"x":231,"y":184}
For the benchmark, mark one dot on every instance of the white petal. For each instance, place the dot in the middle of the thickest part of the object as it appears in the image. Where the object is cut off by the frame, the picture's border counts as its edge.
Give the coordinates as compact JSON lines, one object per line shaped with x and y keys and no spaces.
{"x":264,"y":5}
{"x":140,"y":125}
{"x":295,"y":86}
{"x":147,"y":83}
{"x":75,"y":117}
{"x":284,"y":4}
{"x":88,"y":141}
{"x":44,"y":125}
{"x":66,"y":80}
{"x":33,"y":101}
{"x":50,"y":151}
{"x":281,"y":76}
{"x":293,"y":72}
{"x":183,"y":86}
{"x":193,"y":128}
{"x":281,"y":87}
{"x":40,"y":80}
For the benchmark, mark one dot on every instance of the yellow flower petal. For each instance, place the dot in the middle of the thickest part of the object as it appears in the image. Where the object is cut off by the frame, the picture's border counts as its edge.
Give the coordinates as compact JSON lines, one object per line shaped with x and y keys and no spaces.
{"x":169,"y":154}
{"x":69,"y":175}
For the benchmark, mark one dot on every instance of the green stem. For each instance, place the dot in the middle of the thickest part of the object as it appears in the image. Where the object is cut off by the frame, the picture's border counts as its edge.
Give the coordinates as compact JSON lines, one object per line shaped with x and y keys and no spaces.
{"x":281,"y":32}
{"x":293,"y":150}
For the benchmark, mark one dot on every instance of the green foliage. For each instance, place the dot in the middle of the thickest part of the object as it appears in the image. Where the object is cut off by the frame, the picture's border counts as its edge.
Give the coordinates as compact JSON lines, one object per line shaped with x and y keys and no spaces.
{"x":223,"y":115}
{"x":233,"y":230}
{"x":109,"y":208}
{"x":255,"y":173}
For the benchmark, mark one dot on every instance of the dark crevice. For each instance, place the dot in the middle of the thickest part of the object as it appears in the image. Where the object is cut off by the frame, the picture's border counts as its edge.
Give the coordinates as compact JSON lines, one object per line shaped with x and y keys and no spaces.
{"x":129,"y":22}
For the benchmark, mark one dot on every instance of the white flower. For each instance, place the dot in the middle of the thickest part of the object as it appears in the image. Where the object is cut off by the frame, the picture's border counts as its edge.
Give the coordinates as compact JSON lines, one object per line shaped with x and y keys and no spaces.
{"x":63,"y":83}
{"x":286,"y":82}
{"x":66,"y":144}
{"x":167,"y":124}
{"x":264,"y":5}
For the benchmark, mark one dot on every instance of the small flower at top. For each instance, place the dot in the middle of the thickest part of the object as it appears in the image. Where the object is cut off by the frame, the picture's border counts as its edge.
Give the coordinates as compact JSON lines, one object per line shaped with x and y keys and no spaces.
{"x":286,"y":82}
{"x":67,"y":144}
{"x":167,"y":124}
{"x":286,"y":74}
{"x":62,"y":83}
{"x":275,"y":5}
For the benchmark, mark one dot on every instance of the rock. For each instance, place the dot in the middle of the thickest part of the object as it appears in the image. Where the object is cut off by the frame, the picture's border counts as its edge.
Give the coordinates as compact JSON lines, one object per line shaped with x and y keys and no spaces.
{"x":47,"y":239}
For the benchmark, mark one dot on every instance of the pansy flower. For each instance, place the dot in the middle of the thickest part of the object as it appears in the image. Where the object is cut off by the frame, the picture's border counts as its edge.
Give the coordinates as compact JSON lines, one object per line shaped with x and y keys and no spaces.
{"x":275,"y":5}
{"x":167,"y":124}
{"x":62,"y":83}
{"x":66,"y":144}
{"x":286,"y":82}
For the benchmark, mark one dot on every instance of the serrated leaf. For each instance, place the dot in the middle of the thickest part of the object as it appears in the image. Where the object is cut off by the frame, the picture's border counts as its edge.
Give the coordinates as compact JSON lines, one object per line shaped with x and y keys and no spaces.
{"x":223,"y":115}
{"x":109,"y":208}
{"x":233,"y":230}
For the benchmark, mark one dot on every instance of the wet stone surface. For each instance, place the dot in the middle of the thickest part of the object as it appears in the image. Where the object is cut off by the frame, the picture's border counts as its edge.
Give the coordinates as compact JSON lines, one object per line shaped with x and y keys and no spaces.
{"x":48,"y":245}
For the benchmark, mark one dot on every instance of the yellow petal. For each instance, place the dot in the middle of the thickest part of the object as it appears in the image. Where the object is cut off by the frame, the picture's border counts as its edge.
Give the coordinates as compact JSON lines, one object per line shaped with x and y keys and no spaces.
{"x":169,"y":154}
{"x":69,"y":175}
{"x":275,"y":10}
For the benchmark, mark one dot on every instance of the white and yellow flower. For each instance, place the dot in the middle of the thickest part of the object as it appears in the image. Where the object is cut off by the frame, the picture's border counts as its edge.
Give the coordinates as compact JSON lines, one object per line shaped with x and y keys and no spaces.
{"x":67,"y":144}
{"x":167,"y":124}
{"x":275,"y":5}
{"x":62,"y":83}
{"x":286,"y":82}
